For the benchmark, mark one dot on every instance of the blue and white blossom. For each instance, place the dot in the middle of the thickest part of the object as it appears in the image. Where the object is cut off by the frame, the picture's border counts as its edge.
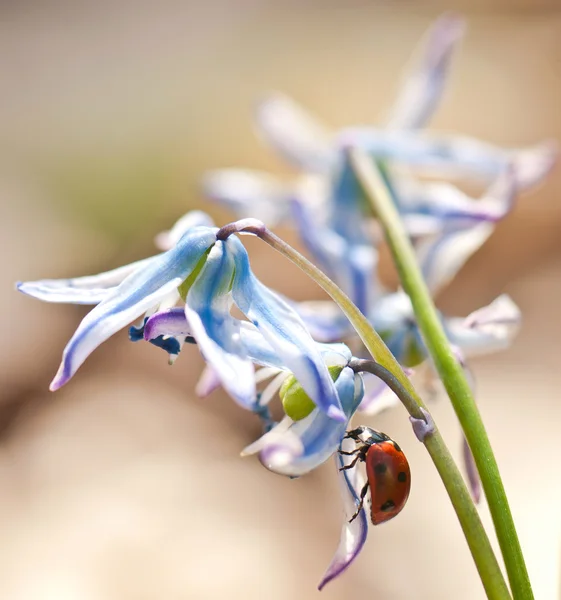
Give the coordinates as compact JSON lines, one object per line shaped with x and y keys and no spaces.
{"x":221,"y":277}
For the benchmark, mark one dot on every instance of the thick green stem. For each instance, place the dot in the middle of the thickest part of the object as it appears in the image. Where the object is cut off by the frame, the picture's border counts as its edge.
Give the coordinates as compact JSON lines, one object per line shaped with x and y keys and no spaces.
{"x":448,"y":368}
{"x":480,"y":547}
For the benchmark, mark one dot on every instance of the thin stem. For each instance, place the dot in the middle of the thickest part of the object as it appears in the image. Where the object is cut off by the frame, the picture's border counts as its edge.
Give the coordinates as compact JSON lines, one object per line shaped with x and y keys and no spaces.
{"x":448,"y":368}
{"x":478,"y":542}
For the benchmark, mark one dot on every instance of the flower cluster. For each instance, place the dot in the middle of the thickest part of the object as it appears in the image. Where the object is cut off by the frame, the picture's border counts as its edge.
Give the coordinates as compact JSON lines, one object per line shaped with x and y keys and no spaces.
{"x":294,"y":349}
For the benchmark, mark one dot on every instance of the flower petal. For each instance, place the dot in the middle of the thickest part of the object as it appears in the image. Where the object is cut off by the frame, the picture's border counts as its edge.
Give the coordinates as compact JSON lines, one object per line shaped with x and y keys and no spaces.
{"x":217,"y":332}
{"x":91,"y":289}
{"x":350,"y":262}
{"x":249,"y":193}
{"x":489,"y":329}
{"x":308,"y":443}
{"x":141,"y":290}
{"x":353,"y":534}
{"x":422,"y":87}
{"x":295,"y":134}
{"x":377,"y":396}
{"x":452,"y":156}
{"x":283,"y":329}
{"x":443,"y":257}
{"x":433,"y":208}
{"x":166,"y":240}
{"x":324,"y":320}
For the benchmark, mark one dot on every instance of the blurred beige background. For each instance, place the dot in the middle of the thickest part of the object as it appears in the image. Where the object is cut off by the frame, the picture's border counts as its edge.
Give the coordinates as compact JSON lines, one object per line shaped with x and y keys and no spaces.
{"x":123,"y":485}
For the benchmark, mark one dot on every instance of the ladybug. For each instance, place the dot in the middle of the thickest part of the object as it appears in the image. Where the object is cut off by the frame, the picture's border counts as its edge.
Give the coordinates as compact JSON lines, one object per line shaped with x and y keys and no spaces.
{"x":387,"y":471}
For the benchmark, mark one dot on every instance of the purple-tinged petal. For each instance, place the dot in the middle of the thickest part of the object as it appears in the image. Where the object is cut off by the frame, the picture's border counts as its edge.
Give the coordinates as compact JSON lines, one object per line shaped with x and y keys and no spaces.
{"x":441,"y":259}
{"x":283,"y":329}
{"x":295,"y":134}
{"x":452,"y":156}
{"x":217,"y":332}
{"x":91,"y":289}
{"x":353,"y":534}
{"x":434,"y":208}
{"x":324,"y":320}
{"x":308,"y":443}
{"x":208,"y":382}
{"x":488,"y":329}
{"x":166,"y":240}
{"x":423,"y":84}
{"x":377,"y":396}
{"x":350,"y":262}
{"x":140,"y":291}
{"x":249,"y":193}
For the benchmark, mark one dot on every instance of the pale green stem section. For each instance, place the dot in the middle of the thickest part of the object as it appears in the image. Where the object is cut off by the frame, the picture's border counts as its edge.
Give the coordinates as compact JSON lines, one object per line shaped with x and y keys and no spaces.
{"x":449,"y":369}
{"x":485,"y":560}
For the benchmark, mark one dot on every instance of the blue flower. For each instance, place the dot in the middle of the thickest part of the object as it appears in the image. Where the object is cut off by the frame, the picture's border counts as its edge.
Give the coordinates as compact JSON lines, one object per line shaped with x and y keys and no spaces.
{"x":212,"y":275}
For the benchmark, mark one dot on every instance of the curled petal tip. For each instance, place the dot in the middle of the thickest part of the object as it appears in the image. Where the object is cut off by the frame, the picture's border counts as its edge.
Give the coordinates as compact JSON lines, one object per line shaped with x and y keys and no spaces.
{"x":59,"y":380}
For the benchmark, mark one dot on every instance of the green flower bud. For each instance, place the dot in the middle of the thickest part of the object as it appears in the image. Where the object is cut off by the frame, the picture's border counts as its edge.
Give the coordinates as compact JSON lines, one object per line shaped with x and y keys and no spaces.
{"x":296,"y":403}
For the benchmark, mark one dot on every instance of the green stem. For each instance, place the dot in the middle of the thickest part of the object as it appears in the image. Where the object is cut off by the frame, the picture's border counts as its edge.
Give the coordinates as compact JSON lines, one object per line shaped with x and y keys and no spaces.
{"x":449,"y":369}
{"x":478,"y":542}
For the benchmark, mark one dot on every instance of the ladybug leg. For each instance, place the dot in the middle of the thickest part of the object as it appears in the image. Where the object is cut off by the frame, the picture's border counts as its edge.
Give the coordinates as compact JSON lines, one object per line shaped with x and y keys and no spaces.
{"x":352,"y":453}
{"x":360,"y":455}
{"x":363,"y":492}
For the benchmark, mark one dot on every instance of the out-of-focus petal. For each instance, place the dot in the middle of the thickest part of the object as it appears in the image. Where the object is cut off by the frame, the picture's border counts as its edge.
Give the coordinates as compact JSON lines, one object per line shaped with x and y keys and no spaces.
{"x":433,"y":208}
{"x":423,"y":83}
{"x":308,"y":443}
{"x":452,"y":156}
{"x":217,"y":332}
{"x":295,"y":134}
{"x":489,"y":329}
{"x":443,"y":257}
{"x":141,"y":290}
{"x":324,"y":320}
{"x":353,"y":535}
{"x":283,"y":329}
{"x":377,"y":396}
{"x":249,"y":193}
{"x":349,"y":262}
{"x":91,"y":289}
{"x":166,"y":240}
{"x":208,"y":382}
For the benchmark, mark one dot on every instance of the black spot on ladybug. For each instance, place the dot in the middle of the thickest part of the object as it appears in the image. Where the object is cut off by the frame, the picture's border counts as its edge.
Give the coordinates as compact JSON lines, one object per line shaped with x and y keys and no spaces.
{"x":380,"y":468}
{"x":387,"y":506}
{"x":402,"y":476}
{"x":397,"y":447}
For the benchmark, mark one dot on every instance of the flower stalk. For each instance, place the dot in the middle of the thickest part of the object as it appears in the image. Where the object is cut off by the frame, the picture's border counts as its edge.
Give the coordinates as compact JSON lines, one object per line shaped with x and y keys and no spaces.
{"x":378,"y":193}
{"x":474,"y":532}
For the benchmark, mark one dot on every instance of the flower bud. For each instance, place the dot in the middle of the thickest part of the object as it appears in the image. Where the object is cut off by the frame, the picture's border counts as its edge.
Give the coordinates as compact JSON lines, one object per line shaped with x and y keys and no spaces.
{"x":296,"y":403}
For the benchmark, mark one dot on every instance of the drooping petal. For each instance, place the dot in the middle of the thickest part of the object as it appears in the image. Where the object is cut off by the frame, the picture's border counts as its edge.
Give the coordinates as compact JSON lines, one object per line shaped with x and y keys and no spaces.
{"x":353,"y":534}
{"x":423,"y":84}
{"x":283,"y":329}
{"x":249,"y":193}
{"x":324,"y":320}
{"x":433,"y":208}
{"x":295,"y":134}
{"x":217,"y":332}
{"x":91,"y":289}
{"x":141,"y":290}
{"x":208,"y":382}
{"x":166,"y":240}
{"x":306,"y":444}
{"x":441,"y":258}
{"x":488,"y":329}
{"x":453,"y":156}
{"x":349,"y":261}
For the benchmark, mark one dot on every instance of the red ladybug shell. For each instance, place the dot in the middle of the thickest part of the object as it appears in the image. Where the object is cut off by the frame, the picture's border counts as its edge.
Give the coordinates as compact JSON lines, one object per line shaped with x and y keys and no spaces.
{"x":389,"y":477}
